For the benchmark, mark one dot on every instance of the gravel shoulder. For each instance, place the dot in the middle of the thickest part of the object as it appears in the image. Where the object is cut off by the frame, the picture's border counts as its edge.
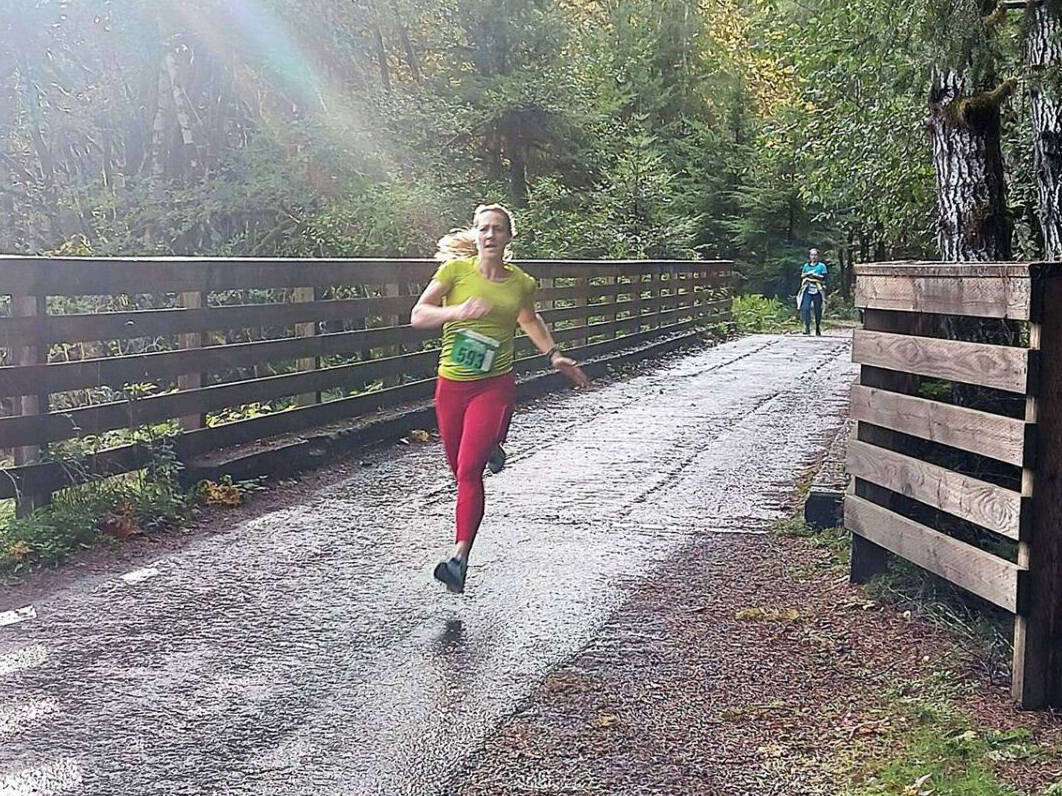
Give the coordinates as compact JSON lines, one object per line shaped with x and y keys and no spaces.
{"x":749,"y":665}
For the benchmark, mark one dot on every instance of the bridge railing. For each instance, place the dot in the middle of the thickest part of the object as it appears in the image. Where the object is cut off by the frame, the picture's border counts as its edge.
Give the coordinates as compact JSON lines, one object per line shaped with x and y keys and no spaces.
{"x":956,"y":460}
{"x":229,"y":351}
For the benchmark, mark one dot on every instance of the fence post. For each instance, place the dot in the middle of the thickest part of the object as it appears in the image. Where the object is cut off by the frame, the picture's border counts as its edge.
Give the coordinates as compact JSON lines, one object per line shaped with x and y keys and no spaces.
{"x":1037,"y":679}
{"x":544,"y":283}
{"x":869,"y":559}
{"x":610,"y":316}
{"x":27,"y":307}
{"x":191,"y":381}
{"x":644,"y":286}
{"x":392,"y":290}
{"x":306,"y":294}
{"x":582,"y":292}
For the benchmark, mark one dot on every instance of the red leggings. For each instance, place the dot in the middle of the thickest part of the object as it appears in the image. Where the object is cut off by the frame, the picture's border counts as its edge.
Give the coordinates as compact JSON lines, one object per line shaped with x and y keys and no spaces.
{"x":473,"y":416}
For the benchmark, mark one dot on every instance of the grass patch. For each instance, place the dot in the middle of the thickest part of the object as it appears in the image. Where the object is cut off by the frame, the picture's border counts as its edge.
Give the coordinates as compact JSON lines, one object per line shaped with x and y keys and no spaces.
{"x":112,"y":509}
{"x":983,"y":631}
{"x":754,"y":313}
{"x":835,"y":541}
{"x":109,"y":511}
{"x":930,"y":747}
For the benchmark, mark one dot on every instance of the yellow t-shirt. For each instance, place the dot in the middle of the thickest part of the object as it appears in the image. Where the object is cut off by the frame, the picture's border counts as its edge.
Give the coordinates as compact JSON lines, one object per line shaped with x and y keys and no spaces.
{"x":481,"y":347}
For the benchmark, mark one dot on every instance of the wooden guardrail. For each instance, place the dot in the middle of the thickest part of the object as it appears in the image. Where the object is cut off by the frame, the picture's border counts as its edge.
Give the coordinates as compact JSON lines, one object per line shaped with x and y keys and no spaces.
{"x":195,"y":342}
{"x":956,"y":461}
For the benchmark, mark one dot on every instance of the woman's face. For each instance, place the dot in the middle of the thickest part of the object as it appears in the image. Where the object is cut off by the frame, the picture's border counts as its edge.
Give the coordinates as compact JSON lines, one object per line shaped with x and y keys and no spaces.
{"x":492,"y":232}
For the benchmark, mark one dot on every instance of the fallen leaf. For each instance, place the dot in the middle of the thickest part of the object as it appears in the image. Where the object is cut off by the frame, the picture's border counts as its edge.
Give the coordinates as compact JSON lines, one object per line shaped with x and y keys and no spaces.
{"x":419,"y":435}
{"x":606,"y":720}
{"x":746,"y":614}
{"x":119,"y":524}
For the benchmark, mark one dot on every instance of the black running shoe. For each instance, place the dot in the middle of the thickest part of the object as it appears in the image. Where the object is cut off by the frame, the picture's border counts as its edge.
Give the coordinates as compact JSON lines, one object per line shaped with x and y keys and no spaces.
{"x":452,"y":573}
{"x":496,"y":460}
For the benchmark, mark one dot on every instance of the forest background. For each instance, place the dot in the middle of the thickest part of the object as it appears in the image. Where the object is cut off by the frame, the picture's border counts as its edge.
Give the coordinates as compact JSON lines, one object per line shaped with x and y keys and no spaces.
{"x":739,"y":129}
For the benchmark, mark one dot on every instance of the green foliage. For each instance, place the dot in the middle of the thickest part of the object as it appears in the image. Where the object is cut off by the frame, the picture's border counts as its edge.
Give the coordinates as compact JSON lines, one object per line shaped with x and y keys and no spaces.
{"x":835,"y":541}
{"x":943,"y":752}
{"x":633,"y":128}
{"x":148,"y":500}
{"x":754,"y":313}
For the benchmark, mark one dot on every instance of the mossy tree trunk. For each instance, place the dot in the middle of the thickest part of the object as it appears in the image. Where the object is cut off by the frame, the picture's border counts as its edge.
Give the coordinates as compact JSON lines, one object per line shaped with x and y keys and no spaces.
{"x":1044,"y":58}
{"x":971,"y":189}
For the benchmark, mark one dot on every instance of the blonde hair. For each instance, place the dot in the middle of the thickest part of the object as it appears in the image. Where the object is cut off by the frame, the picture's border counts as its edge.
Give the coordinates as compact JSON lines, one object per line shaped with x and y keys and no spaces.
{"x":461,"y":243}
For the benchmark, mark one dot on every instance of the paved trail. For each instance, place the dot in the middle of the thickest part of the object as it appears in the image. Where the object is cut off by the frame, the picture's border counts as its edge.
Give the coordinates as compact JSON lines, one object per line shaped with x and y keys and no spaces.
{"x":309,"y":652}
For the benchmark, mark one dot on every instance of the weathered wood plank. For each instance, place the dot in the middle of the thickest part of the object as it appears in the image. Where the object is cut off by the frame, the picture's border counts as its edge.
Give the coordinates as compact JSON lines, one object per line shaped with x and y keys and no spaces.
{"x":47,"y":477}
{"x":990,"y":435}
{"x":115,"y":372}
{"x":969,"y":567}
{"x":587,"y":268}
{"x":1038,"y":635}
{"x":118,"y":371}
{"x":129,"y":414}
{"x":948,"y":270}
{"x":999,"y":367}
{"x":84,"y":276}
{"x":980,"y":502}
{"x":714,"y":312}
{"x":165,"y":322}
{"x":53,"y":475}
{"x":33,"y":402}
{"x":985,"y":297}
{"x":189,"y":380}
{"x":43,"y":276}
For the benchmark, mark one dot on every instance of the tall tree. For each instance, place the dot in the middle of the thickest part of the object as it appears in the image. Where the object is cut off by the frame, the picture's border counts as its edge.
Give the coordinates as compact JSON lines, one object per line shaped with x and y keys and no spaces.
{"x":1044,"y":60}
{"x":964,"y":120}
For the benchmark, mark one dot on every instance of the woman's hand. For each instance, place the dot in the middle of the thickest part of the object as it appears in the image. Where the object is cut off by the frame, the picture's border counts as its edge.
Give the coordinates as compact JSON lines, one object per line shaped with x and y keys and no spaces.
{"x":570,"y":368}
{"x":471,"y":309}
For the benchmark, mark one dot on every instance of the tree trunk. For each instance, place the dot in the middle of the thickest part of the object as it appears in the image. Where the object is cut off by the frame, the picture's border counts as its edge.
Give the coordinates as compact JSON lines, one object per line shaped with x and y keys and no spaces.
{"x":518,"y":172}
{"x":381,"y":50}
{"x":971,"y":190}
{"x":160,"y":126}
{"x":407,"y":43}
{"x":1044,"y":57}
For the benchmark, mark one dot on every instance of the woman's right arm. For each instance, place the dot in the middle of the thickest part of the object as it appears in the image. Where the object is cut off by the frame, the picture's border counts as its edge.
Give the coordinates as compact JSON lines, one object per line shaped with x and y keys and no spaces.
{"x":428,"y":313}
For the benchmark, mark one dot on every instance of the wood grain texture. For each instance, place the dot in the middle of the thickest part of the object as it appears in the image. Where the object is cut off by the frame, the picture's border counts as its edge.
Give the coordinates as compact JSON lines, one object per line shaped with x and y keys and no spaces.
{"x":986,"y":434}
{"x":979,"y":502}
{"x":969,"y":567}
{"x":999,"y":367}
{"x":985,"y":297}
{"x":43,"y":276}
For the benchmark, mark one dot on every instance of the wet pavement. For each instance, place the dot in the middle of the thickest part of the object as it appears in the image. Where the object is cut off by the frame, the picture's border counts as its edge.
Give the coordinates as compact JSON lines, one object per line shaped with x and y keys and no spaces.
{"x":308,"y":651}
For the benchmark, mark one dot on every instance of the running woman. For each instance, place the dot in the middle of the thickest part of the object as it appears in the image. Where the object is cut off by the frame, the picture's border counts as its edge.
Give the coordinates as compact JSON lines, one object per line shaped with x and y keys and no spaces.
{"x":478,"y":297}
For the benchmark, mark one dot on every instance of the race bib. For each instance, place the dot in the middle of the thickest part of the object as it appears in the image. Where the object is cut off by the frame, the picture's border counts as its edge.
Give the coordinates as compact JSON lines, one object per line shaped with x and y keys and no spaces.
{"x":474,"y":350}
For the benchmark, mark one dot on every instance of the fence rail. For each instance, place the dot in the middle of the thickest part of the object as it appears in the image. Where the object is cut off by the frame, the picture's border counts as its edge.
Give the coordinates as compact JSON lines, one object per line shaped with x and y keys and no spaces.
{"x":956,"y":461}
{"x":195,"y":342}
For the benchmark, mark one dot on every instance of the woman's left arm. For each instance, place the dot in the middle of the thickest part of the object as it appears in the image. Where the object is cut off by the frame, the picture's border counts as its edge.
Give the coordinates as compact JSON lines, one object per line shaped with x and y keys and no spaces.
{"x":535,"y":328}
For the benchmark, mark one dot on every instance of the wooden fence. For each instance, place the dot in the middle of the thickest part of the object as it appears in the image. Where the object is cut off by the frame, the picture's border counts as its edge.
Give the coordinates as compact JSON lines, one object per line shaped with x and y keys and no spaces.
{"x":239,"y":350}
{"x":955,"y":460}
